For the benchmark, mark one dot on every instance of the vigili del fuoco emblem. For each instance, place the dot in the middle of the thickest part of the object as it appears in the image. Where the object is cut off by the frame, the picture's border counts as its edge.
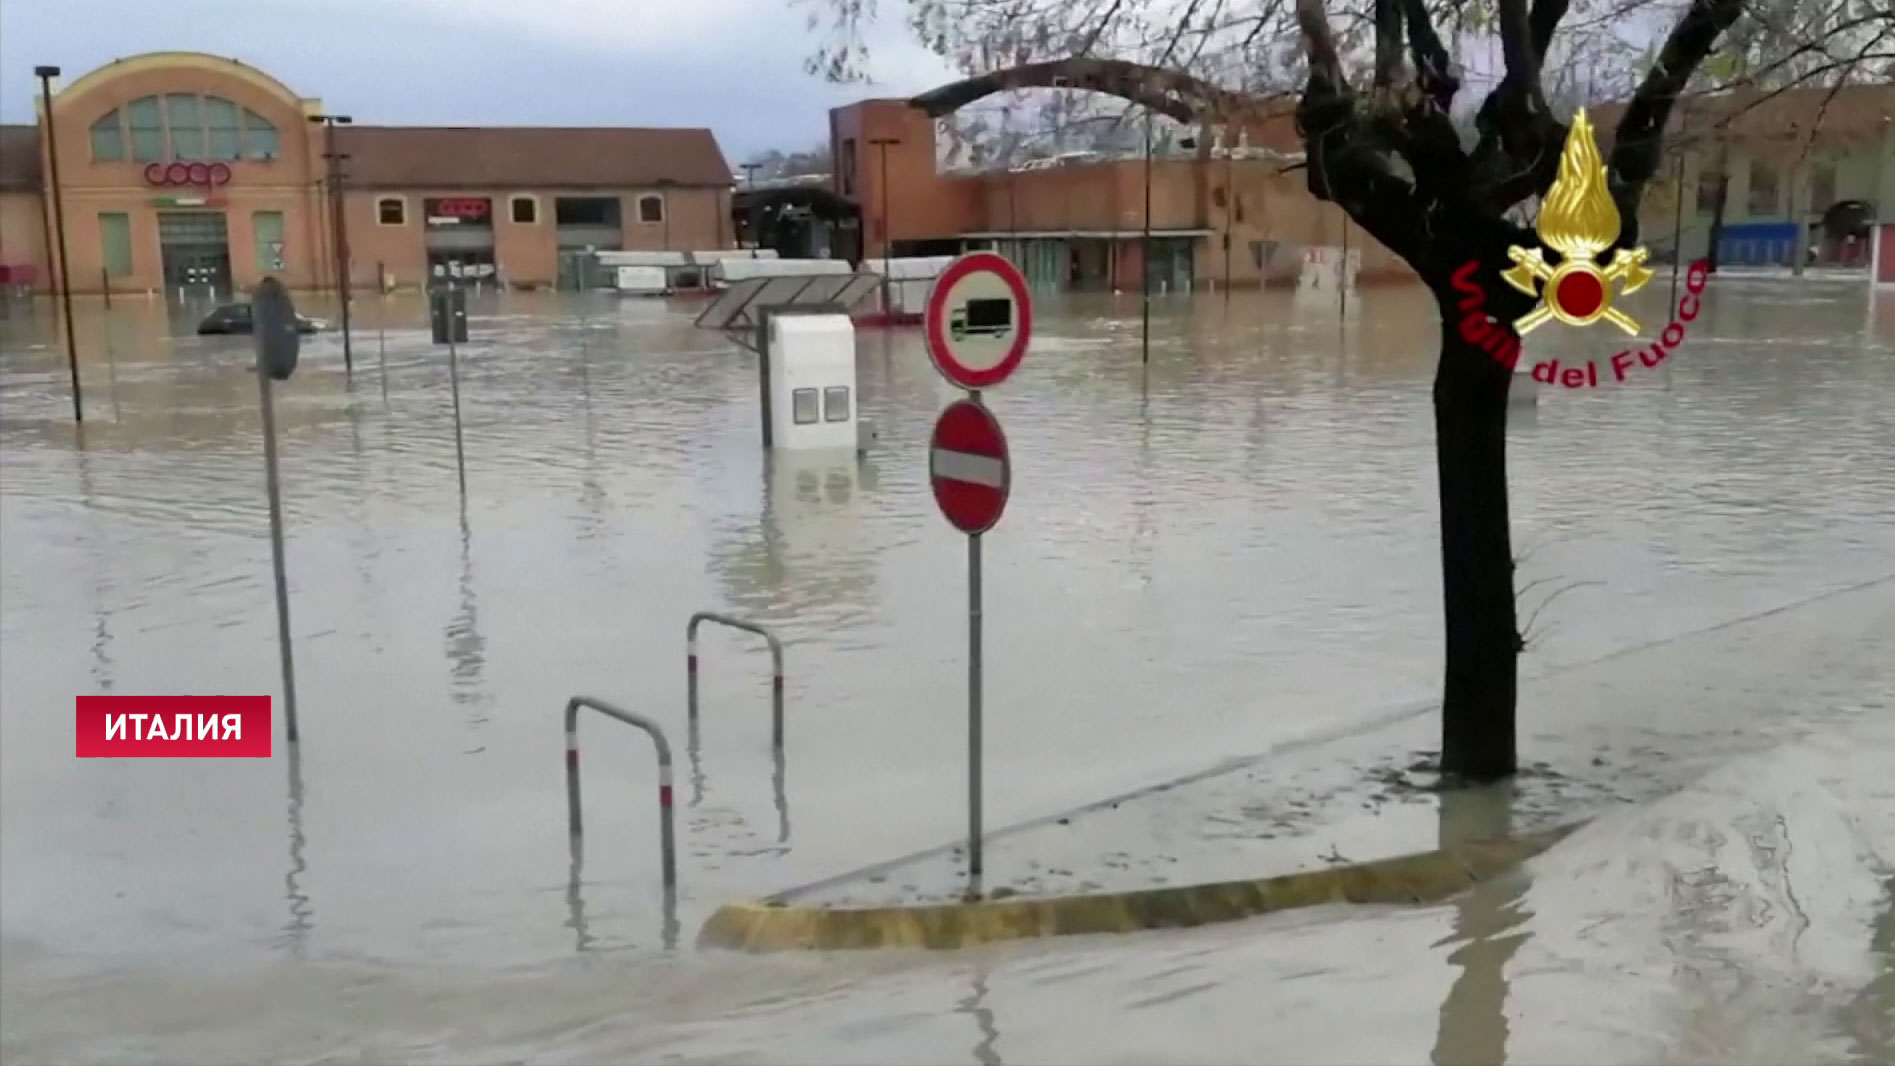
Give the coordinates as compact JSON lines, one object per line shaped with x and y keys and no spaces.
{"x":1578,"y":220}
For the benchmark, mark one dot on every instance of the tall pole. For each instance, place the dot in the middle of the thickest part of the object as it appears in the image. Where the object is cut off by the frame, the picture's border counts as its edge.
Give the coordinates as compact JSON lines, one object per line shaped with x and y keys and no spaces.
{"x":1677,"y":212}
{"x":276,"y":554}
{"x":888,"y":244}
{"x":665,"y":185}
{"x":340,"y":226}
{"x":1144,"y":312}
{"x":46,"y":76}
{"x":750,"y":208}
{"x":973,"y":713}
{"x":1230,"y":204}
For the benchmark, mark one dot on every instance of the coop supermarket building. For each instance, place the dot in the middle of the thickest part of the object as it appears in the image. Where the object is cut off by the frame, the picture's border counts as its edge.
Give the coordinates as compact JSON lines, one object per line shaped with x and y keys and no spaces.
{"x":184,"y":169}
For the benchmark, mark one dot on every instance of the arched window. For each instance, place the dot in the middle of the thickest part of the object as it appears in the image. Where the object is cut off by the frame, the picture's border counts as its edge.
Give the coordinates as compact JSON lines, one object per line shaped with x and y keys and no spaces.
{"x":108,"y":138}
{"x":222,"y":129}
{"x":651,"y":208}
{"x":186,"y":126}
{"x":147,"y":127}
{"x":259,"y":137}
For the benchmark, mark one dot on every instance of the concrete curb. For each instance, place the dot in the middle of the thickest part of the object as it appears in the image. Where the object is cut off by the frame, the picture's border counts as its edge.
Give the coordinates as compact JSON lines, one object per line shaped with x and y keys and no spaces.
{"x":1420,"y":878}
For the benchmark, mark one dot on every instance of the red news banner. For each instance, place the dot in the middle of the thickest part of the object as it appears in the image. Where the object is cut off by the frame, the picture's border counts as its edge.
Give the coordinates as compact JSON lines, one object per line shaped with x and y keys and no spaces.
{"x":173,"y":727}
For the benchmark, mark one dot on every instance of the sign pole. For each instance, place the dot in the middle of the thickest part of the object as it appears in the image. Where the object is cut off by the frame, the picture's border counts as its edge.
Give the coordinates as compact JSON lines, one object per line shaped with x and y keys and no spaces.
{"x":973,"y":710}
{"x":381,"y":328}
{"x":276,"y":557}
{"x":277,"y":348}
{"x":454,"y":382}
{"x":978,"y":321}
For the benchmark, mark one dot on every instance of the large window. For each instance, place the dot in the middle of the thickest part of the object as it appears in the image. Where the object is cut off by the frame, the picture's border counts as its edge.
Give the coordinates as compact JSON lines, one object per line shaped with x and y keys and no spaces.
{"x":267,"y":227}
{"x":1709,"y":178}
{"x":148,"y":142}
{"x":108,"y":138}
{"x":115,"y":243}
{"x":183,"y":126}
{"x":225,"y":132}
{"x":259,"y":137}
{"x":186,"y":126}
{"x":1763,"y":190}
{"x":1822,"y":186}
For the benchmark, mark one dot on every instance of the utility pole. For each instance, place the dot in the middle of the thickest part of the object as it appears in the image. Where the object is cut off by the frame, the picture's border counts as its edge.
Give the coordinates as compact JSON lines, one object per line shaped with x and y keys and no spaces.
{"x":887,"y":241}
{"x":750,"y":208}
{"x":1230,"y":203}
{"x":46,"y":76}
{"x":340,"y":224}
{"x":665,"y":185}
{"x":1144,"y":314}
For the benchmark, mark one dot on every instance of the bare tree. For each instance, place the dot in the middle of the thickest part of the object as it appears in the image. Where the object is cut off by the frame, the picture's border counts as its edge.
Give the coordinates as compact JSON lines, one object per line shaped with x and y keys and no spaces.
{"x":1375,"y":86}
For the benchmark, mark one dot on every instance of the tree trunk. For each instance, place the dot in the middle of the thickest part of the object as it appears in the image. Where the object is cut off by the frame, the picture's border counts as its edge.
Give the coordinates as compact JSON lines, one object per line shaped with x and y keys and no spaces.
{"x":1483,"y":642}
{"x":1717,"y":208}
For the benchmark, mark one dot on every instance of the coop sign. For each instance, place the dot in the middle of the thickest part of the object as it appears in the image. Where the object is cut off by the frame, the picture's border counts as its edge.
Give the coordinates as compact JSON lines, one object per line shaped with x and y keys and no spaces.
{"x":1578,"y":221}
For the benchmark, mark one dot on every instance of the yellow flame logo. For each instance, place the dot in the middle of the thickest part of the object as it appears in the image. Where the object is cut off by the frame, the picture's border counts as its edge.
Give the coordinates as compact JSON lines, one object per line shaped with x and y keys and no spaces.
{"x":1578,"y":220}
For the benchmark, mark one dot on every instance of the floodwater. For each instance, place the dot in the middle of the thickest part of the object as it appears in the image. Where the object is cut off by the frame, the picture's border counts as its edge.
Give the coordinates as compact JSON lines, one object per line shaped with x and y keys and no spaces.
{"x":1227,"y":552}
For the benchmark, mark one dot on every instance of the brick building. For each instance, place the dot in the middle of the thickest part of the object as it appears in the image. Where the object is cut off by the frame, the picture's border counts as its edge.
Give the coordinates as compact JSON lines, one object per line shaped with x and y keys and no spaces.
{"x":1226,"y":211}
{"x":184,"y":169}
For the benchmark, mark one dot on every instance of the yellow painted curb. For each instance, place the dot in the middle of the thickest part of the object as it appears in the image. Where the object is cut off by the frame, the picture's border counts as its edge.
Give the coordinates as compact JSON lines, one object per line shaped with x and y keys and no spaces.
{"x":1421,"y":878}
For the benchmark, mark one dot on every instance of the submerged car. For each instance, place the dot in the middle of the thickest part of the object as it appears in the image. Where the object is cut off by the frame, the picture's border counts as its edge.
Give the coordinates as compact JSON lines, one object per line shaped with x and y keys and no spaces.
{"x":235,"y":318}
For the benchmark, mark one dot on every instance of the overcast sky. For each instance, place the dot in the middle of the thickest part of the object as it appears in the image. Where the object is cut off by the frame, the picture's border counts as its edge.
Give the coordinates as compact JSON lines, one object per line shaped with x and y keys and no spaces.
{"x":732,"y":65}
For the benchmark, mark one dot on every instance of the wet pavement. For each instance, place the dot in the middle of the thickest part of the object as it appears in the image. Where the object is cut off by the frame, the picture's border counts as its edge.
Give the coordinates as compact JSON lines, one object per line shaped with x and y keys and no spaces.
{"x":1228,"y":553}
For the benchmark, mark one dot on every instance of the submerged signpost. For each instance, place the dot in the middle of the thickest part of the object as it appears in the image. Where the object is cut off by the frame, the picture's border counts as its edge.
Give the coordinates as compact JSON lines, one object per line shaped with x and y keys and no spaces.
{"x":447,"y":317}
{"x":978,"y":321}
{"x":278,"y":344}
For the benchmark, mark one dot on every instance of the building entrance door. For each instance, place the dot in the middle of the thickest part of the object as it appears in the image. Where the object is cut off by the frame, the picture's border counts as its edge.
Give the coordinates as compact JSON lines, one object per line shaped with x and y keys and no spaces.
{"x":194,"y":249}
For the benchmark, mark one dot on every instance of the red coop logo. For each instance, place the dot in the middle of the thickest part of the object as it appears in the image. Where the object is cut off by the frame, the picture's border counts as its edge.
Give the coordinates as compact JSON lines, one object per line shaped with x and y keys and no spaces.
{"x":459,"y":208}
{"x":190,"y":175}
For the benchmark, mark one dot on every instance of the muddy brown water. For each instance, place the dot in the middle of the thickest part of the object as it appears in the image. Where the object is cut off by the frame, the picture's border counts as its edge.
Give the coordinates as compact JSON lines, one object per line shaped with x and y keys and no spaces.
{"x":1230,"y":550}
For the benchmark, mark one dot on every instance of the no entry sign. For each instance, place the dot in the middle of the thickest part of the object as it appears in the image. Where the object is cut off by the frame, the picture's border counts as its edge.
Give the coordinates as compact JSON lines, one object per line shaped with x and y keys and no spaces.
{"x":968,"y":466}
{"x":978,"y":320}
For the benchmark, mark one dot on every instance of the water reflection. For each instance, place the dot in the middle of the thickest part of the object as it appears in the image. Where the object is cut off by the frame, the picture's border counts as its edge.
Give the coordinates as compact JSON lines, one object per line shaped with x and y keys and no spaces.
{"x":1869,"y":1019}
{"x":101,"y":553}
{"x":975,"y":1005}
{"x":1473,"y":1024}
{"x":802,"y":556}
{"x":576,"y":903}
{"x":466,"y":648}
{"x":301,"y":913}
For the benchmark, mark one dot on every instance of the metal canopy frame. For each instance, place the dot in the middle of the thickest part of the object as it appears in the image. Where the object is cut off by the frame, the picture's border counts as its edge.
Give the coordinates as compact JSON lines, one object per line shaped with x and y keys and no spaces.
{"x":739,"y":312}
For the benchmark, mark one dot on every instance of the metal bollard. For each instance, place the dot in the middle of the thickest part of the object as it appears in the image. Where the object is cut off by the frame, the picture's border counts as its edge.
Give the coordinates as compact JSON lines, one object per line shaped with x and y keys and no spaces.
{"x":574,"y":823}
{"x":776,"y":667}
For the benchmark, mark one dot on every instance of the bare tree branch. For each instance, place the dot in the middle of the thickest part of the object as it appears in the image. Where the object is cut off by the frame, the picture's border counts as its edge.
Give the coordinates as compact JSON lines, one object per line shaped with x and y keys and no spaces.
{"x":1636,"y":148}
{"x":1388,"y":43}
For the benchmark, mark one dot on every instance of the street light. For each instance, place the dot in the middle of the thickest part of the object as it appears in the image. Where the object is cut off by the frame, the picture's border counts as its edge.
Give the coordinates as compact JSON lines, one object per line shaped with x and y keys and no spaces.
{"x":46,"y":76}
{"x":340,"y":224}
{"x":887,"y":241}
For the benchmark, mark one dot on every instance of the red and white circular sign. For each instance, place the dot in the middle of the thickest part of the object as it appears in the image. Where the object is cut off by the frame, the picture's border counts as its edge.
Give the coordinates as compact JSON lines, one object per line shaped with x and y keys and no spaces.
{"x":978,"y":320}
{"x":968,"y":466}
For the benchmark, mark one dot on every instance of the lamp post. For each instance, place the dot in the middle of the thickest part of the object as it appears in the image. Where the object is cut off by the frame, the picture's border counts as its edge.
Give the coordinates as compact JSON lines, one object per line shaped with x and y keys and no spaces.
{"x":46,"y":76}
{"x":887,"y":241}
{"x":339,"y":223}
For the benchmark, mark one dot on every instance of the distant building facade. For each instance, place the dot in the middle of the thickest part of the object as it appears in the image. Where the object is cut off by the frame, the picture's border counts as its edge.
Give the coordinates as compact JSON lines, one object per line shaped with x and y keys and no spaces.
{"x":183,"y":169}
{"x":1227,"y":213}
{"x":1807,"y":167}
